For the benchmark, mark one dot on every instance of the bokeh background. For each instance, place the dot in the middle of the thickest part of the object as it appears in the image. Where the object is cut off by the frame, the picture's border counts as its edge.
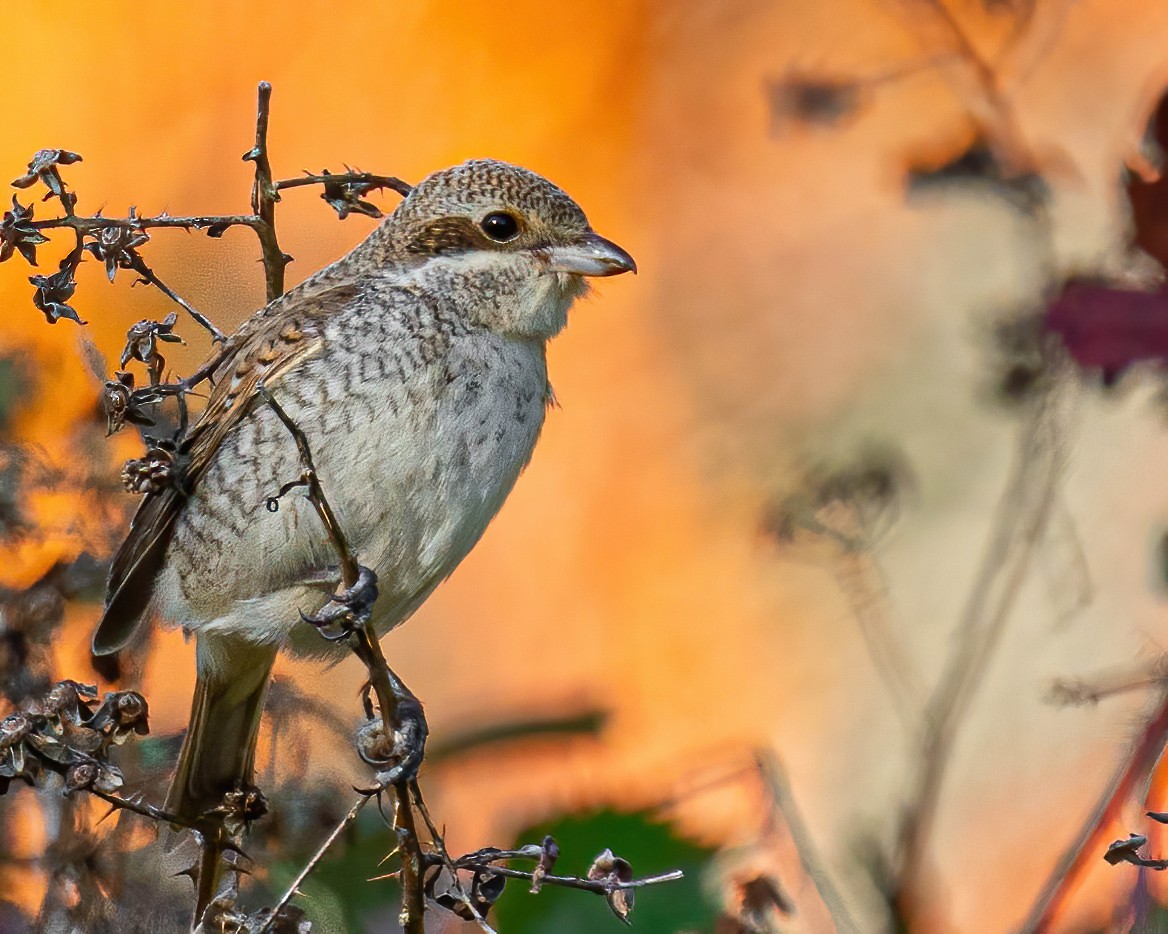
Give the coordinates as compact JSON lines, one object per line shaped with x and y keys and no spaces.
{"x":704,"y":627}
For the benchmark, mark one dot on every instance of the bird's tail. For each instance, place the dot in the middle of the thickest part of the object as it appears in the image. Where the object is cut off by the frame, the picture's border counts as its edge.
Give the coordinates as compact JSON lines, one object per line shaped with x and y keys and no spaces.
{"x":218,"y":754}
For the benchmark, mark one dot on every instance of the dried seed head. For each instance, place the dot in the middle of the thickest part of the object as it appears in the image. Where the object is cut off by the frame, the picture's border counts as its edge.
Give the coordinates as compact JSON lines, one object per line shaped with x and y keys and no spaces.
{"x":240,"y":807}
{"x":344,"y":197}
{"x":612,"y":870}
{"x":18,"y":235}
{"x":115,"y":246}
{"x":153,"y":473}
{"x":142,"y":343}
{"x":79,"y":777}
{"x":44,"y":167}
{"x":122,"y":403}
{"x":53,"y":292}
{"x":14,"y":728}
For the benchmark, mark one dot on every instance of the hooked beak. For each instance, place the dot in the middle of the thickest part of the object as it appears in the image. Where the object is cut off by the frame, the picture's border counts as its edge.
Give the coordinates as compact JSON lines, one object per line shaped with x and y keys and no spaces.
{"x":591,"y":255}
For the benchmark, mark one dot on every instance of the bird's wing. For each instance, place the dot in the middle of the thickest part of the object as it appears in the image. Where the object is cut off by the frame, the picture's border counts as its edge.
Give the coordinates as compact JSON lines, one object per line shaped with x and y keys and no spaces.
{"x":269,"y":344}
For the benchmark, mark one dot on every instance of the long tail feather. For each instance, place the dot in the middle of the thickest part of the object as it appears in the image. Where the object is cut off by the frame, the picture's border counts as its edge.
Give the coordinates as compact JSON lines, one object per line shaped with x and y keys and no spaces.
{"x":218,"y":753}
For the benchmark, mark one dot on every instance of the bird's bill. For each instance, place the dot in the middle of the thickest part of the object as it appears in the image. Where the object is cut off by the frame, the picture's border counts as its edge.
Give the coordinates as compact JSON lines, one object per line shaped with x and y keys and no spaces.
{"x":591,"y":255}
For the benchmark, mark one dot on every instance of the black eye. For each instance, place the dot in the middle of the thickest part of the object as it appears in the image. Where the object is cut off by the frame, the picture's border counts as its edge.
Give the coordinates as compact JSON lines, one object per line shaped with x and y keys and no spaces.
{"x":500,"y":227}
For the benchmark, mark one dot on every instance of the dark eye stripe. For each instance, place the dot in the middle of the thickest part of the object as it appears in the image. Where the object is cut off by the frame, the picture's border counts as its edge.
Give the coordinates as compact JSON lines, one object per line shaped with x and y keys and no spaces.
{"x":447,"y":235}
{"x":459,"y":234}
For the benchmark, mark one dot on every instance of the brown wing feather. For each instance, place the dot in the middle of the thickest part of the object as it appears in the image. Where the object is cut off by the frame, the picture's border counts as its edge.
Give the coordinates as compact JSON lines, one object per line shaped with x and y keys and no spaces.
{"x":269,"y":344}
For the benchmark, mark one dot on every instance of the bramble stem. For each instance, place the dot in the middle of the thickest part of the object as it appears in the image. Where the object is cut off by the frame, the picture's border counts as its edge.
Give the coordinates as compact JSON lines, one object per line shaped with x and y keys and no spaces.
{"x":264,"y":197}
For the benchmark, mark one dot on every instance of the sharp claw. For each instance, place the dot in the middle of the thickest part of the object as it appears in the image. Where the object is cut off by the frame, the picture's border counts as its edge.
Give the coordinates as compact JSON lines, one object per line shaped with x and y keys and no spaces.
{"x":350,"y":608}
{"x":409,"y":745}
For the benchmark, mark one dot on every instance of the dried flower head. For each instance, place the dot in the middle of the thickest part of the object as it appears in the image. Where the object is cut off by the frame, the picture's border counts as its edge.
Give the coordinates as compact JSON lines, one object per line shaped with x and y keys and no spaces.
{"x":115,"y":246}
{"x":122,"y":714}
{"x":344,"y":197}
{"x":67,"y":732}
{"x":760,"y":898}
{"x":485,"y":889}
{"x":17,"y":235}
{"x":44,"y":167}
{"x":142,"y":344}
{"x":53,"y":292}
{"x":611,"y":871}
{"x":122,"y":403}
{"x":155,"y":471}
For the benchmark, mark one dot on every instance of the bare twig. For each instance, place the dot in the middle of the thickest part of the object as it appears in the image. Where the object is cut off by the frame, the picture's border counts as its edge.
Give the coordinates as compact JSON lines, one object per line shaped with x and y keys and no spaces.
{"x":1077,"y":692}
{"x":571,"y":882}
{"x":264,"y":197}
{"x":294,"y":887}
{"x":774,"y":779}
{"x":347,"y":178}
{"x":139,"y":266}
{"x":444,"y":856}
{"x":311,"y":481}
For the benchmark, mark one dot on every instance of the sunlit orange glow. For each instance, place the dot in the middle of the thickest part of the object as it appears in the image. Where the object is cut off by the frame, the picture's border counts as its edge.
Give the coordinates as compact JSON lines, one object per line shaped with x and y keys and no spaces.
{"x":792,"y":305}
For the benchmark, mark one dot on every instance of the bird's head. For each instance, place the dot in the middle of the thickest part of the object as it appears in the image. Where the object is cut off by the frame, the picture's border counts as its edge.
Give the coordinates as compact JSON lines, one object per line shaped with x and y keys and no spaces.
{"x":512,"y":247}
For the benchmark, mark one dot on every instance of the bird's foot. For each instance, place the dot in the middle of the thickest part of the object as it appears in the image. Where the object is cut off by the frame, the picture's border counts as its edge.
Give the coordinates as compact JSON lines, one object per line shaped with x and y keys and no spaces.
{"x":397,"y":755}
{"x":346,"y":610}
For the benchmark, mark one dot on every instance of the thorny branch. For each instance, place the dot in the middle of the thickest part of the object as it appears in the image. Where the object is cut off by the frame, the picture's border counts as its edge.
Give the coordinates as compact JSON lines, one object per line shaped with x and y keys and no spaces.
{"x":294,"y":888}
{"x":396,"y":744}
{"x":20,"y":232}
{"x":368,"y":649}
{"x":264,"y":197}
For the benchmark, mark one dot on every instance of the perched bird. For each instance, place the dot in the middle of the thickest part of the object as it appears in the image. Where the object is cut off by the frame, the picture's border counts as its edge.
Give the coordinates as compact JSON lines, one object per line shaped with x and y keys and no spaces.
{"x":415,"y":366}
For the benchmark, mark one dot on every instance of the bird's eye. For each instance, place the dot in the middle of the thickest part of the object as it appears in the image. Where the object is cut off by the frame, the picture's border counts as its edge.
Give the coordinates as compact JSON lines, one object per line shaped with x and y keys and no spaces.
{"x":500,"y":227}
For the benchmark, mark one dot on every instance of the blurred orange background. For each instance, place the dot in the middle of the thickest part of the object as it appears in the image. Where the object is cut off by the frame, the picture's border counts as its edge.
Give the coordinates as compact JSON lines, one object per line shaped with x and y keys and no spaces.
{"x":793,"y":307}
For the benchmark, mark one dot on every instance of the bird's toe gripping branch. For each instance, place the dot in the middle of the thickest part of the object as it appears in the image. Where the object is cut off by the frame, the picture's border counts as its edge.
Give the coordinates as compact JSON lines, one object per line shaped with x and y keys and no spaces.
{"x":347,"y":610}
{"x":393,"y":739}
{"x":396,"y":753}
